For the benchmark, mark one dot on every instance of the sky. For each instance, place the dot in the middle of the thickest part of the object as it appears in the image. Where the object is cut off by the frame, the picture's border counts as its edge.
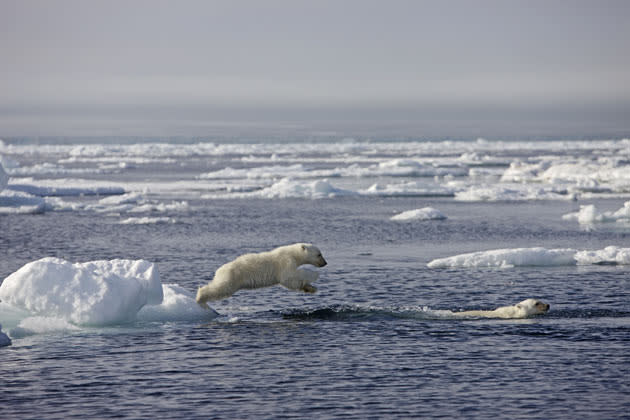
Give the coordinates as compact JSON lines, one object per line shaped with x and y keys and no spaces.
{"x":428,"y":67}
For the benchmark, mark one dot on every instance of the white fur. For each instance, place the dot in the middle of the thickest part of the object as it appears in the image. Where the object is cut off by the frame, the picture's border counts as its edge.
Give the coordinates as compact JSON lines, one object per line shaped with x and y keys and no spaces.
{"x":524,"y":309}
{"x":253,"y":271}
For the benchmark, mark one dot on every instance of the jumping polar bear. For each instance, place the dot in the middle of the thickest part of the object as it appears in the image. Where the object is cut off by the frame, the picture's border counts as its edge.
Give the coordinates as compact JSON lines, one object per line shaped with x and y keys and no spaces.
{"x":253,"y":271}
{"x":528,"y":307}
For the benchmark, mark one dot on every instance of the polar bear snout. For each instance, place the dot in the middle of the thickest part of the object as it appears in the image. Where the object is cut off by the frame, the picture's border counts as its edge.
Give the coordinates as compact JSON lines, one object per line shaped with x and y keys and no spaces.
{"x":542,"y":307}
{"x":321,"y":261}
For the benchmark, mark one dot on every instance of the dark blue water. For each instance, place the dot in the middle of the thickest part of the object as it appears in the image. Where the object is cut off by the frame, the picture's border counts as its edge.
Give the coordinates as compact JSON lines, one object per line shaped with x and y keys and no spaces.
{"x":364,"y":346}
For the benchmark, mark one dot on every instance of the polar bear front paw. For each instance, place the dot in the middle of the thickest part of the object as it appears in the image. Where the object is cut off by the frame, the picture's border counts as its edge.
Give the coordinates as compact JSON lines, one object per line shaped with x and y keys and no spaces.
{"x":309,"y":289}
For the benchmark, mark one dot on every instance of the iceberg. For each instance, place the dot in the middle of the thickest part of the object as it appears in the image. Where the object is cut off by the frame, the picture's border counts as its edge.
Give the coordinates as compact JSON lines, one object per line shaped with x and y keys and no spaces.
{"x":536,"y":257}
{"x":52,"y":295}
{"x":91,"y":293}
{"x":426,"y":213}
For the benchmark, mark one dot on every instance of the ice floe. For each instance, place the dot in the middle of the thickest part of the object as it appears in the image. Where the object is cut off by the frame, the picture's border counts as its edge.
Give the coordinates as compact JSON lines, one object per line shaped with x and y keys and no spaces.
{"x":91,"y":293}
{"x":146,"y":220}
{"x":408,"y":189}
{"x":290,"y":188}
{"x":52,"y":294}
{"x":610,"y":255}
{"x":511,"y":192}
{"x":588,"y":215}
{"x":178,"y":305}
{"x":64,"y":187}
{"x":15,"y":202}
{"x":518,"y":257}
{"x":426,"y":213}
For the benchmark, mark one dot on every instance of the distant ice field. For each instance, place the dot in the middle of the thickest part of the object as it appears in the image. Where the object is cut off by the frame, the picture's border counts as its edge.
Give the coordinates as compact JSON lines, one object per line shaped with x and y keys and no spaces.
{"x":413,"y":232}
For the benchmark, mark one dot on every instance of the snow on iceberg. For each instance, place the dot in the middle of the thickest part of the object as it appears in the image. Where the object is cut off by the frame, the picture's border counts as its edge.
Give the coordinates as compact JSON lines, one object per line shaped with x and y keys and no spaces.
{"x":611,"y":255}
{"x":505,"y":258}
{"x":53,"y":295}
{"x":539,"y":257}
{"x":426,"y":213}
{"x":41,"y":324}
{"x":91,"y":293}
{"x":178,"y":305}
{"x":589,"y":215}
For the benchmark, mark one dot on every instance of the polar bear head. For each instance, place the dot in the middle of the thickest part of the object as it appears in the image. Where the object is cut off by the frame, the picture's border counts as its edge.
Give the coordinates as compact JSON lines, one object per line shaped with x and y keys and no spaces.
{"x":312,"y":255}
{"x":530,"y":307}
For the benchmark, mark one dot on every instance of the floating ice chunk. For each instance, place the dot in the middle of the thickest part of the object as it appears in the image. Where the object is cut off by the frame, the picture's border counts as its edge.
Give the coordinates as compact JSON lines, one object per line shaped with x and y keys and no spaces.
{"x":128,"y":198}
{"x":146,"y":220}
{"x":178,"y":305}
{"x":41,"y":324}
{"x":589,"y":215}
{"x":255,"y":173}
{"x":410,"y":167}
{"x":15,"y":202}
{"x":426,"y":213}
{"x":523,"y":172}
{"x":316,"y":189}
{"x":4,"y":178}
{"x":610,"y":255}
{"x":511,"y":192}
{"x":408,"y":189}
{"x":290,"y":188}
{"x":48,"y":168}
{"x":541,"y":257}
{"x":60,"y":190}
{"x":4,"y":339}
{"x":91,"y":293}
{"x":505,"y":258}
{"x":603,"y":174}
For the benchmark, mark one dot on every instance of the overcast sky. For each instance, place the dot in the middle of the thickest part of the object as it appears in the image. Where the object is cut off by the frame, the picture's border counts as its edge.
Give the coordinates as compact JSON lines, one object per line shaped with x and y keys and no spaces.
{"x":129,"y":66}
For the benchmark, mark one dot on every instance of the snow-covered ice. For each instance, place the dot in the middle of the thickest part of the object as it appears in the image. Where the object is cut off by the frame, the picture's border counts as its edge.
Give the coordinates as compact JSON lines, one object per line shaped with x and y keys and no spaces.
{"x":426,"y":213}
{"x":146,"y":220}
{"x":54,"y":295}
{"x":610,"y":255}
{"x":178,"y":305}
{"x":508,"y":258}
{"x":588,"y":214}
{"x":539,"y":257}
{"x":91,"y":293}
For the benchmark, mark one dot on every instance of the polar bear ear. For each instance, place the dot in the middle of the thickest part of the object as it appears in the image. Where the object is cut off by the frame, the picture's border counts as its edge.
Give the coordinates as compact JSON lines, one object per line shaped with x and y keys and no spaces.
{"x":518,"y":306}
{"x":303,"y":247}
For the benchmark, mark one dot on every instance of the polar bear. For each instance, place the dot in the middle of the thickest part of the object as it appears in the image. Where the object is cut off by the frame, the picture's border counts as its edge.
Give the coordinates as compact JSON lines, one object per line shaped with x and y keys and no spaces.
{"x":253,"y":271}
{"x":528,"y":307}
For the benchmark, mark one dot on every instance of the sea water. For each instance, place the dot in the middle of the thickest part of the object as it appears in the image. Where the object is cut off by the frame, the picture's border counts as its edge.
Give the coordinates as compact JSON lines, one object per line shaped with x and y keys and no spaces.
{"x":486,"y":224}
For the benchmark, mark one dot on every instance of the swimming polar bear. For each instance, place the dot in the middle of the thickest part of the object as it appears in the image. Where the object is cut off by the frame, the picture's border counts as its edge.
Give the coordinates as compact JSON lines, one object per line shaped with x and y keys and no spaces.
{"x":524,"y":309}
{"x":253,"y":271}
